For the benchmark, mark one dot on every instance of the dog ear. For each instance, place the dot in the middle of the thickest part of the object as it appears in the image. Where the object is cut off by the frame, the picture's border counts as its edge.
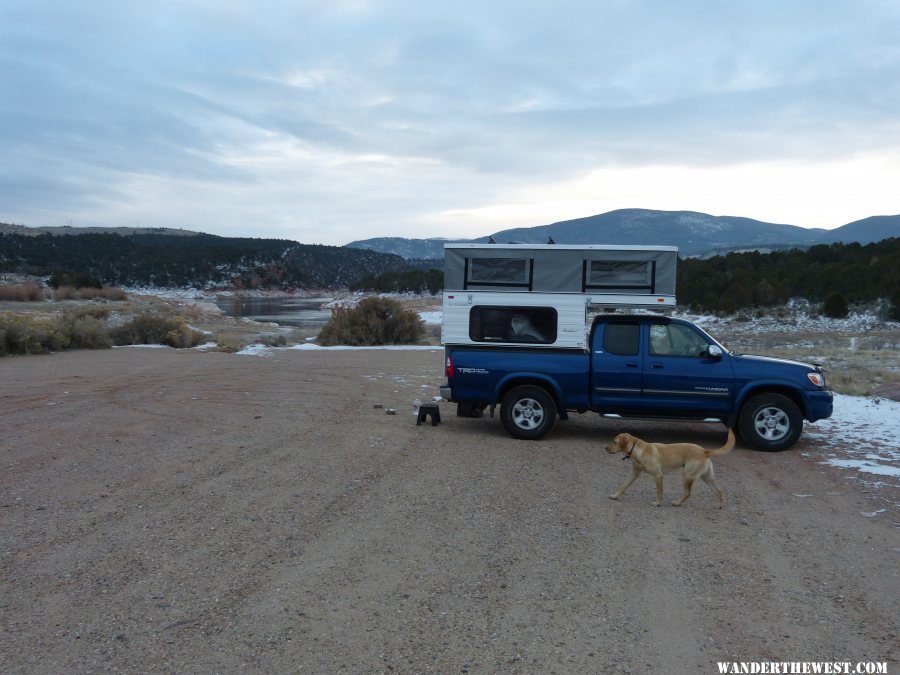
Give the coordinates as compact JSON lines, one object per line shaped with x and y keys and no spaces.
{"x":622,"y":440}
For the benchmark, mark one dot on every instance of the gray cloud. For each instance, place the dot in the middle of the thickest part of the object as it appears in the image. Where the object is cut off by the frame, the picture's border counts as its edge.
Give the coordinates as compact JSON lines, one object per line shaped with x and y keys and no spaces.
{"x":375,"y":114}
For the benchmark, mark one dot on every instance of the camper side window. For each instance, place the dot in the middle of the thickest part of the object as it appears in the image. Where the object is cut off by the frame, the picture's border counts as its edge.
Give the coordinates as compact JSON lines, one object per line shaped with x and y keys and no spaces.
{"x":619,"y":275}
{"x":503,"y":272}
{"x":513,"y":324}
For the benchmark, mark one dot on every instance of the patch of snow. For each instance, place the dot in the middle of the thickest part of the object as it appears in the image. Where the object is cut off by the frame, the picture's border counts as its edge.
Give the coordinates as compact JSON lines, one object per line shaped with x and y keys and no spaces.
{"x":865,"y":430}
{"x":170,"y":293}
{"x":432,"y":317}
{"x":255,"y":350}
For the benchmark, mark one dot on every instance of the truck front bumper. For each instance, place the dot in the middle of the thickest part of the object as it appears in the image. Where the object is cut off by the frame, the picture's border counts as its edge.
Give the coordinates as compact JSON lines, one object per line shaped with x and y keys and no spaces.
{"x":819,"y":404}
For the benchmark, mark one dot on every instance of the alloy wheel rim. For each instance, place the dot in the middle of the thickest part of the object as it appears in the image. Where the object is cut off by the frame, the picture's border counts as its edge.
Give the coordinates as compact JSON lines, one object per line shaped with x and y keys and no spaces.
{"x":527,"y":413}
{"x":772,"y":424}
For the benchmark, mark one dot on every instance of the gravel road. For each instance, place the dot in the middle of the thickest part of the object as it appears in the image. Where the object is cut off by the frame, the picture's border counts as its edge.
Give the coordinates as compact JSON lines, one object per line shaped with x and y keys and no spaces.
{"x":181,"y":511}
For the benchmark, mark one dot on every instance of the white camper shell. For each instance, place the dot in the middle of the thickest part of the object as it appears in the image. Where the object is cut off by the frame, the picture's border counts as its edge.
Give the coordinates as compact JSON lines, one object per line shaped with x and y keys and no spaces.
{"x":539,"y":295}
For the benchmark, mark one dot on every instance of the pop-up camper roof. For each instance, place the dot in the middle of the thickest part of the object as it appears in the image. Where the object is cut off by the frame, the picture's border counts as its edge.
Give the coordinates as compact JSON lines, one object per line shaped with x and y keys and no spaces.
{"x":556,"y":268}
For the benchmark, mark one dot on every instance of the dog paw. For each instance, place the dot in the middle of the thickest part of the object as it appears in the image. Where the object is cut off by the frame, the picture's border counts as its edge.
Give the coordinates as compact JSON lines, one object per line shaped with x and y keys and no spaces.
{"x":657,"y":504}
{"x":614,"y":496}
{"x":676,"y":503}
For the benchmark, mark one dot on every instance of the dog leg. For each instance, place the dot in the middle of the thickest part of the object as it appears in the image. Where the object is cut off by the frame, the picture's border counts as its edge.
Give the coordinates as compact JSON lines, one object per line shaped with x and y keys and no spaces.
{"x":688,"y":485}
{"x":659,"y":490}
{"x":635,"y":472}
{"x":711,"y":481}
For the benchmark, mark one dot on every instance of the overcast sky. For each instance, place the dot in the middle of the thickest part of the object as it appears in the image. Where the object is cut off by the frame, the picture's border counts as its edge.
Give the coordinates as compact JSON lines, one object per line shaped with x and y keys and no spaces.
{"x":326,"y":122}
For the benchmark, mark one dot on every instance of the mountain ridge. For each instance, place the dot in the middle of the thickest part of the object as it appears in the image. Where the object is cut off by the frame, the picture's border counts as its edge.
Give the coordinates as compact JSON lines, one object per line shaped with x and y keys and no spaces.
{"x":694,"y":233}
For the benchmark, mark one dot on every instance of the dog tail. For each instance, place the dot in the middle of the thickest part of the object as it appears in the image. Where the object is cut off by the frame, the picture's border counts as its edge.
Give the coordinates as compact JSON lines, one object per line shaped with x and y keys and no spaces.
{"x":729,"y":444}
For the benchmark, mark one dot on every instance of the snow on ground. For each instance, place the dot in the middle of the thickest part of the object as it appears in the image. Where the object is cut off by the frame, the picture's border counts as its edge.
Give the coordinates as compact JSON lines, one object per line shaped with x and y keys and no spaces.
{"x":862,"y":434}
{"x":797,"y":315}
{"x":432,"y":317}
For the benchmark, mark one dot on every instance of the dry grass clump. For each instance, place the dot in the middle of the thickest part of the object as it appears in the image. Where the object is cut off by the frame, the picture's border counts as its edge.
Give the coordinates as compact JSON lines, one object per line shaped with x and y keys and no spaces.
{"x":82,"y":328}
{"x":21,"y":293}
{"x":232,"y":341}
{"x":86,"y":328}
{"x":154,"y":329}
{"x":86,"y":293}
{"x":23,"y":334}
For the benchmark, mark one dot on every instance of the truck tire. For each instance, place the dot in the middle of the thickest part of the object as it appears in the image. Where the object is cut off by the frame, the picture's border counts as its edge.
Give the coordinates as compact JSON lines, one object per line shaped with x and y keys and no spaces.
{"x":528,"y":413}
{"x":770,"y":422}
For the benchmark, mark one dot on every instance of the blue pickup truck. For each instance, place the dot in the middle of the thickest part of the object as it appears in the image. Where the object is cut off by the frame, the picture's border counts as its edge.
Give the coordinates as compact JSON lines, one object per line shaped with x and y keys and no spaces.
{"x":638,"y":366}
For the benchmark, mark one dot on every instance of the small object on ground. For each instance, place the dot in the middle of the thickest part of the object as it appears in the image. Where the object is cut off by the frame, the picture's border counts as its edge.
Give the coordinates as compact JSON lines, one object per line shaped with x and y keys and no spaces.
{"x":427,"y":409}
{"x":390,"y":411}
{"x":378,"y":405}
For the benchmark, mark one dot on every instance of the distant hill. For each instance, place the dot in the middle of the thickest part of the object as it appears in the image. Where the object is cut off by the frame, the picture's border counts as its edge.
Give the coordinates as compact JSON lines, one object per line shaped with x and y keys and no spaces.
{"x":7,"y":228}
{"x":695,"y":234}
{"x":863,"y":231}
{"x":199,"y":261}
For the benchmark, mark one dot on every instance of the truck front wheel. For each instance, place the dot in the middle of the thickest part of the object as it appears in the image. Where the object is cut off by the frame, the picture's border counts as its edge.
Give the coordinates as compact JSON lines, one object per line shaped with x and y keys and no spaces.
{"x":528,"y":413}
{"x":770,"y":422}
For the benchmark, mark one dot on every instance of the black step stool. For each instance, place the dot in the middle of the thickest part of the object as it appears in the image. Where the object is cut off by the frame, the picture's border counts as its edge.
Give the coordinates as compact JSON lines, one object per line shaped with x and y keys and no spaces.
{"x":427,"y":409}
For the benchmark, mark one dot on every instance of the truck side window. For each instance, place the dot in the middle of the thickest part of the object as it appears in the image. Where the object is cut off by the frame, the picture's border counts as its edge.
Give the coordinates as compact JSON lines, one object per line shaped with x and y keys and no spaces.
{"x":513,"y":324}
{"x":622,"y":338}
{"x":676,"y":340}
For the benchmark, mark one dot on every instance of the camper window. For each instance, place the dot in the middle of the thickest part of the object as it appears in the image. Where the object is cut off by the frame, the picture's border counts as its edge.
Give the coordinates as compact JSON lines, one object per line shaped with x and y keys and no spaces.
{"x":506,"y":272}
{"x":619,"y":274}
{"x":513,"y":324}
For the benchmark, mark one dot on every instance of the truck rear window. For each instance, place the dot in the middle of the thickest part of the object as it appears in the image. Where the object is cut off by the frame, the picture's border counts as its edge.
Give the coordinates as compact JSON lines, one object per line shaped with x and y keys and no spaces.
{"x":513,"y":324}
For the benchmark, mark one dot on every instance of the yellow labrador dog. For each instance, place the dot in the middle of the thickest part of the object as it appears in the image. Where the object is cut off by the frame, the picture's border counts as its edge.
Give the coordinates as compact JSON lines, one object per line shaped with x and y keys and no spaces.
{"x":657,"y":459}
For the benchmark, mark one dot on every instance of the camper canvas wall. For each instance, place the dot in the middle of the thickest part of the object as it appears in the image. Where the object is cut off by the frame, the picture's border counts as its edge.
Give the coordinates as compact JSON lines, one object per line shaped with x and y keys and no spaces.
{"x":551,"y":268}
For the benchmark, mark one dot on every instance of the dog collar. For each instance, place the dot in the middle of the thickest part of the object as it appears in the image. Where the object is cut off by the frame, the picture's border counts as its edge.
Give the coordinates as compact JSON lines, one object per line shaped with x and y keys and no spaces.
{"x":630,"y":450}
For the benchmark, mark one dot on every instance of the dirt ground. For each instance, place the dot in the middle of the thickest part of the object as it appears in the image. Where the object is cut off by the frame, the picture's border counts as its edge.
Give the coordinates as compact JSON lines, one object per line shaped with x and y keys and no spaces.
{"x":181,"y":511}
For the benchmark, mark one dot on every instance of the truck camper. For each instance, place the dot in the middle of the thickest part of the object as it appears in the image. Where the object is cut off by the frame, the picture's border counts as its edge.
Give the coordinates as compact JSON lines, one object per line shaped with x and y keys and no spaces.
{"x":540,"y":295}
{"x":516,"y":333}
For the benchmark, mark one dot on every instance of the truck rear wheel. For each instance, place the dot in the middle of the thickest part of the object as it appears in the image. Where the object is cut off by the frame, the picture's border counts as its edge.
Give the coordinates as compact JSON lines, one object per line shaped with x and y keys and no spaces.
{"x":528,"y":413}
{"x":770,"y":422}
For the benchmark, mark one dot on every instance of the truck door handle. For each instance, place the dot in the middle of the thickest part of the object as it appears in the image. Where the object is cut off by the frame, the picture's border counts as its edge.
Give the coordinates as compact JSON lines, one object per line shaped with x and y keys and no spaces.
{"x":656,"y":365}
{"x":631,"y":365}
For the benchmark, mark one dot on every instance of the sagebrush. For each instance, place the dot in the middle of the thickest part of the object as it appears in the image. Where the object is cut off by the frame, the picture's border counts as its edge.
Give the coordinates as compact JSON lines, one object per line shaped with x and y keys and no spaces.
{"x":154,"y":329}
{"x":374,"y":321}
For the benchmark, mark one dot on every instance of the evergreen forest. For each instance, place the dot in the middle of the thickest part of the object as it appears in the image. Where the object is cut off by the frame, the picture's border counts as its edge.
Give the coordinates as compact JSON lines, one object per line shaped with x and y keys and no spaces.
{"x":852,"y":273}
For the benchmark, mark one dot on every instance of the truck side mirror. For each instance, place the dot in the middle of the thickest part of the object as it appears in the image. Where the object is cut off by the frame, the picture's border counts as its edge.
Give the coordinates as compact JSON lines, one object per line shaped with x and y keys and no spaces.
{"x":714,"y":352}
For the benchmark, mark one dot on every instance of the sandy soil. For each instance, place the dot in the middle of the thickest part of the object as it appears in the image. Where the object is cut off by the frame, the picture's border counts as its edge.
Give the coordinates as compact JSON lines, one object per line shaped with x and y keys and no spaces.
{"x":182,"y":511}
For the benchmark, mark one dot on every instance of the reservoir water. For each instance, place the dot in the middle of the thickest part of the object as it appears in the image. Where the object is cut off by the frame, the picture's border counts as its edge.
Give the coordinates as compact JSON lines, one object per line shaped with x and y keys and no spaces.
{"x":300,"y":312}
